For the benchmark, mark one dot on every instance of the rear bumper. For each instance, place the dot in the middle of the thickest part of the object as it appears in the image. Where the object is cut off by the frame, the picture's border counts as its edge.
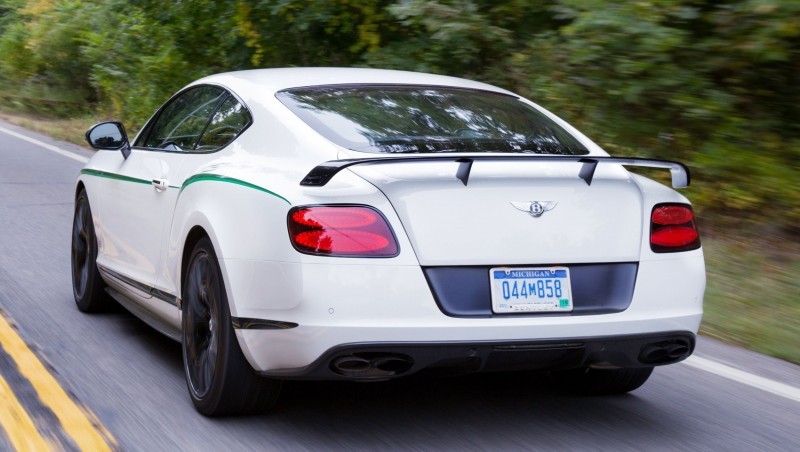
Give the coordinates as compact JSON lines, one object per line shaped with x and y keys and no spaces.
{"x":335,"y":308}
{"x":308,"y":351}
{"x":369,"y":362}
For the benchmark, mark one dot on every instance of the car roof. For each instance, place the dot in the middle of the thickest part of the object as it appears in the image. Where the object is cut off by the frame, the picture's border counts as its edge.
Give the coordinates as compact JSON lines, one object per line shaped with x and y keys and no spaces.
{"x":257,"y":87}
{"x":255,"y":82}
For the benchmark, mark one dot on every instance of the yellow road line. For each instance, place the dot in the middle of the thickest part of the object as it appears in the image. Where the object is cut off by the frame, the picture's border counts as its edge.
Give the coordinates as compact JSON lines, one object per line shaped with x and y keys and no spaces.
{"x":73,"y":420}
{"x":19,"y":427}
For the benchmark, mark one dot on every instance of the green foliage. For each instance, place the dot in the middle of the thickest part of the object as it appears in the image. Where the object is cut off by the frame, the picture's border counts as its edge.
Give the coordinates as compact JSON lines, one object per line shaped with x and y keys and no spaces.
{"x":8,"y":12}
{"x":134,"y":61}
{"x":714,"y":83}
{"x":453,"y":37}
{"x":13,"y":46}
{"x":44,"y":50}
{"x":312,"y":32}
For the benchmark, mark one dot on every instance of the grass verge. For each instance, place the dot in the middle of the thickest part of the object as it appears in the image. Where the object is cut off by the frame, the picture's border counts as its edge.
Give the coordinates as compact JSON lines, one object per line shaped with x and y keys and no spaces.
{"x":71,"y":130}
{"x":753,"y":295}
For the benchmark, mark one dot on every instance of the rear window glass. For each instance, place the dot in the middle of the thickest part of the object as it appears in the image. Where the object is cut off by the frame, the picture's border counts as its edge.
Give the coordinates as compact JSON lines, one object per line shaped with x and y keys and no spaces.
{"x":421,"y":119}
{"x":227,"y":123}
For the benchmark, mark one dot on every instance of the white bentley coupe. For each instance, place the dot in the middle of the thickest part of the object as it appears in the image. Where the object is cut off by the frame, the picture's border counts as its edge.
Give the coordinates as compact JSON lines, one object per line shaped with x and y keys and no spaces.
{"x":357,"y":224}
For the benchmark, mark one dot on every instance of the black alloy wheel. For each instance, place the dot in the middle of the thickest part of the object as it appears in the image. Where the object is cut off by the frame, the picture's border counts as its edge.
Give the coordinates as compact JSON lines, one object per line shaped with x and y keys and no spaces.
{"x":219,"y":378}
{"x":201,"y":324}
{"x":88,"y":287}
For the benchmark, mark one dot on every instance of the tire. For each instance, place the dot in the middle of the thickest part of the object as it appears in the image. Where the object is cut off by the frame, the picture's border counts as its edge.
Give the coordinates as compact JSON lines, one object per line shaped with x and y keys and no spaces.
{"x":220,"y":380}
{"x":588,"y":381}
{"x":88,"y":286}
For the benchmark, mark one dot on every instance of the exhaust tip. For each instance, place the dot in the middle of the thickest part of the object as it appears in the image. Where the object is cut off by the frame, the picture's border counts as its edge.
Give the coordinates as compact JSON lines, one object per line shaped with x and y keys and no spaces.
{"x":351,"y":365}
{"x":665,"y":352}
{"x":371,"y":365}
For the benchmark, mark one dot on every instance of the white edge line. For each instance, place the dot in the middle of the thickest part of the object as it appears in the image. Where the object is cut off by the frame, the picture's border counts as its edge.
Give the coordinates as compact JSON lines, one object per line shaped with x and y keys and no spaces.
{"x":765,"y":384}
{"x":49,"y":147}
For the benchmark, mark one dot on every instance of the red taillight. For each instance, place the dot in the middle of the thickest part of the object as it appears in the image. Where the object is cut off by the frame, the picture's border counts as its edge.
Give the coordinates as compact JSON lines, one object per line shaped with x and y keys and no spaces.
{"x":674,"y":236}
{"x":341,"y":231}
{"x":672,"y":228}
{"x":672,"y":215}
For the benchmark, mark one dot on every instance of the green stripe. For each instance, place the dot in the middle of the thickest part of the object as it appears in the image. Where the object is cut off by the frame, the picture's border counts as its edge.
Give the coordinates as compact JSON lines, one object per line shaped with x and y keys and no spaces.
{"x":91,"y":172}
{"x":230,"y":180}
{"x":189,"y":181}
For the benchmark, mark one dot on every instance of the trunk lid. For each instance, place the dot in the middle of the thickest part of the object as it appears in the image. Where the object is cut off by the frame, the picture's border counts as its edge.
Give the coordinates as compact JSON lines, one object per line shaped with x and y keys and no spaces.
{"x":481,"y":223}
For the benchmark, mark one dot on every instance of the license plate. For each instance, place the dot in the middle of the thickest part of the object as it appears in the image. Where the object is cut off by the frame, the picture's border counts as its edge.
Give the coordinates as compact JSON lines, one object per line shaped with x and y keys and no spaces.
{"x":537,"y":289}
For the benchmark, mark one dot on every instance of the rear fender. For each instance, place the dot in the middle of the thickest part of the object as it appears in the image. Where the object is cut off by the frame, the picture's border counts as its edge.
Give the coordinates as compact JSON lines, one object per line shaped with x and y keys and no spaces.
{"x":246,"y":222}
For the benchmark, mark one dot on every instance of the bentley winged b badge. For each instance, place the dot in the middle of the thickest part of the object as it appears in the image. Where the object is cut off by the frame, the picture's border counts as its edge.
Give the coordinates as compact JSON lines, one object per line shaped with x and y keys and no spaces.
{"x":535,"y":208}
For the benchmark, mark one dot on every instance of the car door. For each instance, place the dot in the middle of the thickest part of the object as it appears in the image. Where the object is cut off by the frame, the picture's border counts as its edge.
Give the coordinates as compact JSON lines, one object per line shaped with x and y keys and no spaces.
{"x":139,"y":200}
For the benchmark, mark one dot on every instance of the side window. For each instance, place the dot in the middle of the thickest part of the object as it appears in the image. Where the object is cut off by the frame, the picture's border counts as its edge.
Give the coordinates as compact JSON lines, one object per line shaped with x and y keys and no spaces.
{"x":183,"y":120}
{"x":227,"y":123}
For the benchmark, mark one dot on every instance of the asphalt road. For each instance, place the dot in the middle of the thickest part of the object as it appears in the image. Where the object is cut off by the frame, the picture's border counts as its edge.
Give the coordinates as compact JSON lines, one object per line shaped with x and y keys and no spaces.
{"x":131,"y":378}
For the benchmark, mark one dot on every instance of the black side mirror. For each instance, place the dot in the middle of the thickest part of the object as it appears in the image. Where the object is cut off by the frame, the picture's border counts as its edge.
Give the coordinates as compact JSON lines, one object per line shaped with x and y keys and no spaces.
{"x":109,"y":136}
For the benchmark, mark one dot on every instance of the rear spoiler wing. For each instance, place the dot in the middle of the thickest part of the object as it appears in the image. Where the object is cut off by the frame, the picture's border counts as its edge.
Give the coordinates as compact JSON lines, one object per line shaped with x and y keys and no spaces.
{"x":324,"y":172}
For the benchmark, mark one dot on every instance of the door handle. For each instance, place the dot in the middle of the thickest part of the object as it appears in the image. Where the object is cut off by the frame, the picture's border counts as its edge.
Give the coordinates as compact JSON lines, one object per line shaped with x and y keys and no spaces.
{"x":160,"y":184}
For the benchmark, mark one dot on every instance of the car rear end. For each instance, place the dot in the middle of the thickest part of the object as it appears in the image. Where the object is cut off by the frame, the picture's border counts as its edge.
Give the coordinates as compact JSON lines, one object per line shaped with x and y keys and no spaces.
{"x":513,"y":263}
